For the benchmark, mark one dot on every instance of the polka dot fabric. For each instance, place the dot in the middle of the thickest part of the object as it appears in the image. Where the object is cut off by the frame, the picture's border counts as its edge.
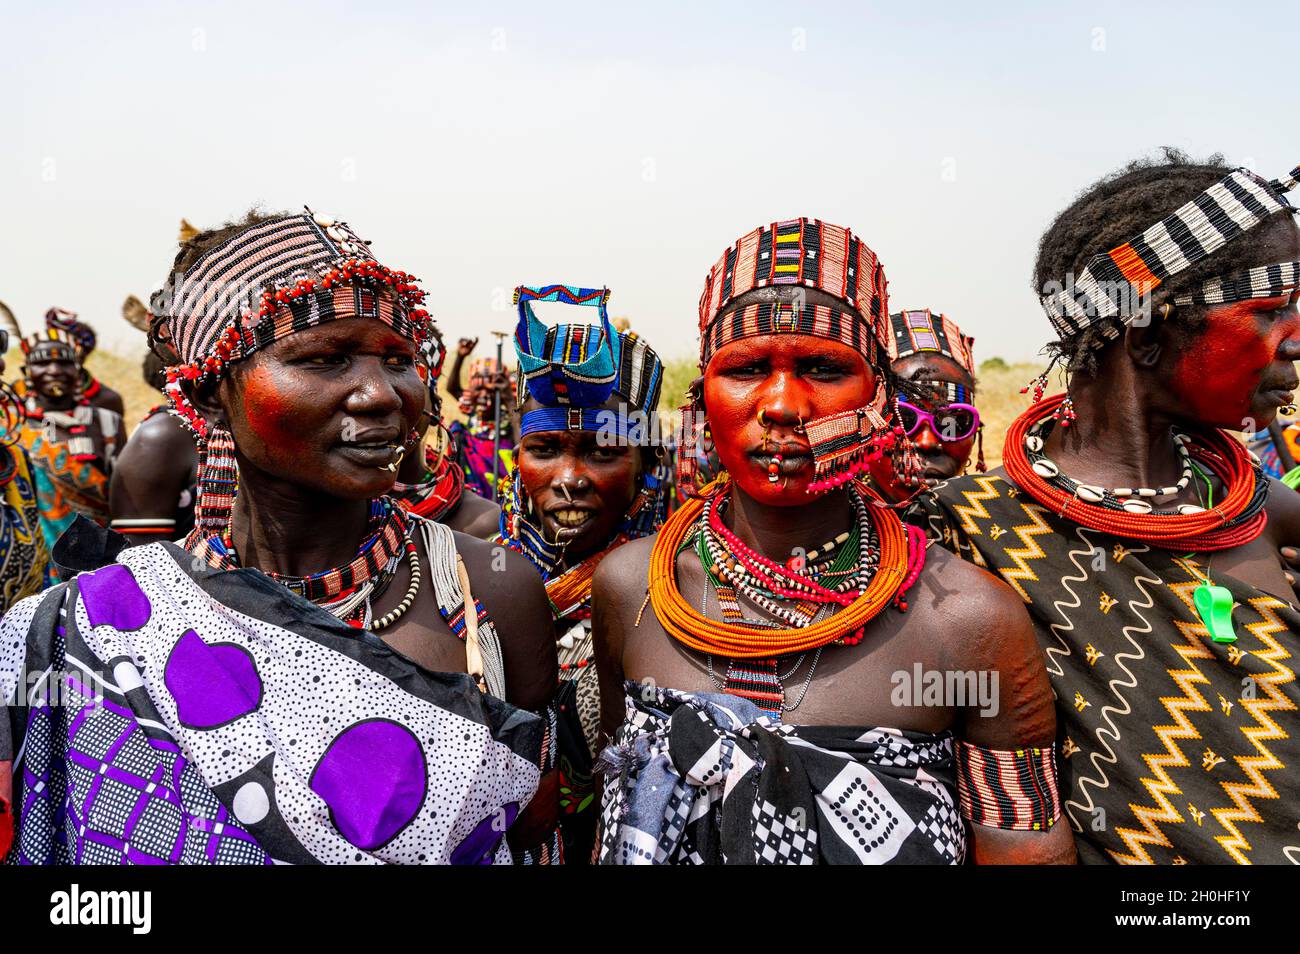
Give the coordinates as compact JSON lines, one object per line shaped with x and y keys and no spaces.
{"x":319,"y":747}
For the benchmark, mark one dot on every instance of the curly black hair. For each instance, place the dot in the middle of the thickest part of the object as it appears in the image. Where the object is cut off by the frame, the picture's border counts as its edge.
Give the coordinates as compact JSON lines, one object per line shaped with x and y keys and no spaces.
{"x":1112,"y":211}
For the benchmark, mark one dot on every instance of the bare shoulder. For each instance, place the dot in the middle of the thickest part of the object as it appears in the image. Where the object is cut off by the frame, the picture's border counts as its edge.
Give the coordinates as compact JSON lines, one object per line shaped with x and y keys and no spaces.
{"x":970,"y":611}
{"x":625,"y":573}
{"x":496,"y":569}
{"x":161,"y":434}
{"x":476,"y":517}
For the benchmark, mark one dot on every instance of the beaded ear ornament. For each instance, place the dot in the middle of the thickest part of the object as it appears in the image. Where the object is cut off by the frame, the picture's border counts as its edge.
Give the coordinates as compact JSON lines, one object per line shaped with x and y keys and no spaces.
{"x":844,"y":445}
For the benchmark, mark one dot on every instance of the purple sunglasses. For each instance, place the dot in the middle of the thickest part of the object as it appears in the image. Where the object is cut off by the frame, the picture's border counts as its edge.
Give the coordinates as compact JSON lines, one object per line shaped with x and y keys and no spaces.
{"x":951,"y":423}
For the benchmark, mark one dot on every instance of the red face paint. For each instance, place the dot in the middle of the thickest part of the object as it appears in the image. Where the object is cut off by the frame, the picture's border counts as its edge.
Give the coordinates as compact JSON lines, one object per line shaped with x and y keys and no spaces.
{"x":270,"y":411}
{"x":298,"y":408}
{"x":1232,"y":375}
{"x":791,"y":378}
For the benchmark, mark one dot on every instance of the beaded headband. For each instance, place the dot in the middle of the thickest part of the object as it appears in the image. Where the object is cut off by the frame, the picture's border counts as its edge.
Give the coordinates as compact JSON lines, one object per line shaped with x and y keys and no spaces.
{"x":922,"y":330}
{"x":80,"y":333}
{"x":638,"y":379}
{"x":812,"y":254}
{"x":267,"y":282}
{"x":48,"y":345}
{"x":803,"y":252}
{"x":1113,"y":283}
{"x":1263,"y":281}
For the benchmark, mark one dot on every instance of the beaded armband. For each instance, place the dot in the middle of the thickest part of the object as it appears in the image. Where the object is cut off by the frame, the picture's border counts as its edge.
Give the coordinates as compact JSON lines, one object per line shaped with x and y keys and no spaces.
{"x":1014,"y":790}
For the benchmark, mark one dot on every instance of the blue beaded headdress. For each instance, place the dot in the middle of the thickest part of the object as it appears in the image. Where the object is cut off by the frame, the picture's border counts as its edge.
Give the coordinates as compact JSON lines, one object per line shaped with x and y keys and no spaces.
{"x":575,"y":368}
{"x":572,"y":369}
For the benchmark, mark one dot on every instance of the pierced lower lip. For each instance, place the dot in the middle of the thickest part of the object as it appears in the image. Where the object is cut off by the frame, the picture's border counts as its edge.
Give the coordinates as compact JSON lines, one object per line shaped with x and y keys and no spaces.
{"x":374,"y":455}
{"x":788,"y":467}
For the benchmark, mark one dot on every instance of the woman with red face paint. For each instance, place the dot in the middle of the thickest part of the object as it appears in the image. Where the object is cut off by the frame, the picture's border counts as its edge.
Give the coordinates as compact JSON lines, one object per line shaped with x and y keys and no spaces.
{"x":775,"y":595}
{"x":1141,"y":536}
{"x":584,"y":482}
{"x":941,"y":419}
{"x":317,"y":676}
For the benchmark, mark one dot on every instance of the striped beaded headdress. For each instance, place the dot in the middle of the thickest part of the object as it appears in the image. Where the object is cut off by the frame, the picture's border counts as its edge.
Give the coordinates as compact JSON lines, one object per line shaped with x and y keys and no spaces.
{"x":265,"y":283}
{"x":78,"y":332}
{"x":572,"y":369}
{"x":567,"y":364}
{"x":922,"y":330}
{"x":806,"y":253}
{"x":1115,"y":284}
{"x":268,"y":281}
{"x":45,"y":345}
{"x":802,"y":252}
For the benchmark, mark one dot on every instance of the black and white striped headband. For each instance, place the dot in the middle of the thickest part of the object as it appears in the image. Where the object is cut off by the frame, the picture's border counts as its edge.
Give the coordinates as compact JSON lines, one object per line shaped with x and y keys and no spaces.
{"x":1115,"y":284}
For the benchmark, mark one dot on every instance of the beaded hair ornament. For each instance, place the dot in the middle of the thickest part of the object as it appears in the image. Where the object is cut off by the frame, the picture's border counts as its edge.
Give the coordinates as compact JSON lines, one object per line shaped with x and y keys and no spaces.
{"x":563,"y":367}
{"x":51,"y":345}
{"x":263,"y":284}
{"x":1114,"y":283}
{"x":921,"y":330}
{"x":812,"y":254}
{"x":576,"y":368}
{"x":78,"y":332}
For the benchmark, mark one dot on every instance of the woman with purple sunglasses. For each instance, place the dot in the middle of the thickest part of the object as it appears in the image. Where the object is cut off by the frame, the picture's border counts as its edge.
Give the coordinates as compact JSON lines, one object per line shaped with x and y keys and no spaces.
{"x":931,"y":351}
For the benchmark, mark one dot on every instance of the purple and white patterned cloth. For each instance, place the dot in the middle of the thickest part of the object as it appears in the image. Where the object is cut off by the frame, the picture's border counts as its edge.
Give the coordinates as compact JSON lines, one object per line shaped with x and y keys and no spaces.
{"x":166,"y":713}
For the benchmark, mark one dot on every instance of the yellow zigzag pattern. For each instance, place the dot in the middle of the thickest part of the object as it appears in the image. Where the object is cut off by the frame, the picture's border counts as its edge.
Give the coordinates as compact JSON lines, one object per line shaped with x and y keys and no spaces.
{"x":1182,"y":729}
{"x":1036,"y":527}
{"x":1264,"y":730}
{"x":976,"y":508}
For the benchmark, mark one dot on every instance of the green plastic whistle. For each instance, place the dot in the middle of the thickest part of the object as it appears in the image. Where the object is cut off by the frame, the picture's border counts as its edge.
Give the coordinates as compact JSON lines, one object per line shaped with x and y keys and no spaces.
{"x":1214,"y":604}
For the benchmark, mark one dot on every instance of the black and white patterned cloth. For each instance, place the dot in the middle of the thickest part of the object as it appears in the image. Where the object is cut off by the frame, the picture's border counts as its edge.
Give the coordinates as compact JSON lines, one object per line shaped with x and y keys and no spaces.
{"x":708,"y":779}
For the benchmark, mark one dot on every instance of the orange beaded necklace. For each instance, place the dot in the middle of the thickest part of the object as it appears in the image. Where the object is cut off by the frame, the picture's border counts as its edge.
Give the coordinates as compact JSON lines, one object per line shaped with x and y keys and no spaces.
{"x":687,"y":626}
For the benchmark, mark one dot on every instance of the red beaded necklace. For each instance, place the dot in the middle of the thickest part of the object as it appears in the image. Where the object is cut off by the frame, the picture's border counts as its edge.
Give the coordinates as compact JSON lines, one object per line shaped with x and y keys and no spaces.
{"x":1223,"y":526}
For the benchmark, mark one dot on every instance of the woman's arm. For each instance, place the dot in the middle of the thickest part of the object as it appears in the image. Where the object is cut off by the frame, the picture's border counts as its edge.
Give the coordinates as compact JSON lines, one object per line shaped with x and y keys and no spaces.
{"x":997,"y":645}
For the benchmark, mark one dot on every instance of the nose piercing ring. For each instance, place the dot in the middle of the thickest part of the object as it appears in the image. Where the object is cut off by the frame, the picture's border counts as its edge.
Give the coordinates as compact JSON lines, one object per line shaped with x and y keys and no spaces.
{"x":762,"y":419}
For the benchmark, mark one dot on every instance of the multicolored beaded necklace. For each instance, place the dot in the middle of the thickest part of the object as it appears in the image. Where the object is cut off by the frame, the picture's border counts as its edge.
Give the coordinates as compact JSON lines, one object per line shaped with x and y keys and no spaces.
{"x":798,"y":594}
{"x":348,"y":591}
{"x":436,"y":495}
{"x":1237,"y":519}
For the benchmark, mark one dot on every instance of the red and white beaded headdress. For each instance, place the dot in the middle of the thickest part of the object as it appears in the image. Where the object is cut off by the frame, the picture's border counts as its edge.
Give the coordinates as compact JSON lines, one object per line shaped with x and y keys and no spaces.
{"x":264,"y":283}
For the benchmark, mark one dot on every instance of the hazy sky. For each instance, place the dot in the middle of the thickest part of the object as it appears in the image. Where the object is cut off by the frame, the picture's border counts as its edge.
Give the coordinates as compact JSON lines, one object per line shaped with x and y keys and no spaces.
{"x":484,"y":145}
